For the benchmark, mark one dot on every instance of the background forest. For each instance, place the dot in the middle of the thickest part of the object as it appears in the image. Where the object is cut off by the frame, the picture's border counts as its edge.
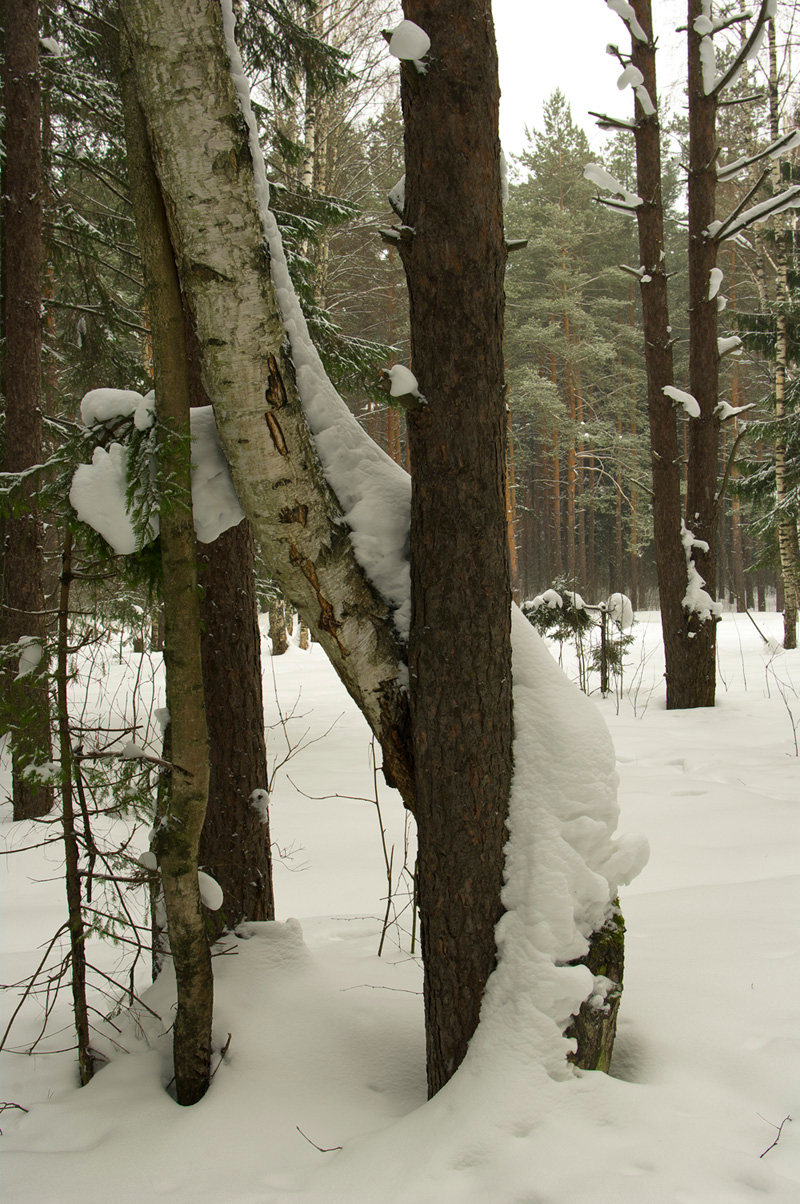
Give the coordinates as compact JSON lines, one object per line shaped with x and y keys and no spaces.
{"x":329,"y":113}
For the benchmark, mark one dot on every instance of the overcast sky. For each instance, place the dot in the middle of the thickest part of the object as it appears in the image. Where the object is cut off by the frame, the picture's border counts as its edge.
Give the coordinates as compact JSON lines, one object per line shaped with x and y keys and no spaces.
{"x":549,"y":44}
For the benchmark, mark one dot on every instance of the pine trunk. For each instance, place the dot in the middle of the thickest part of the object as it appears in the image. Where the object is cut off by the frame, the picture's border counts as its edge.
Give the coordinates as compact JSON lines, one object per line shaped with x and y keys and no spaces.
{"x":26,"y":700}
{"x":235,"y":843}
{"x":460,"y":652}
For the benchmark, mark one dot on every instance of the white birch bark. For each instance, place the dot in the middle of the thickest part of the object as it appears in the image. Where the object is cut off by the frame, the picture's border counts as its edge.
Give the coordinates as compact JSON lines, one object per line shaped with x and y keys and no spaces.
{"x":200,"y":147}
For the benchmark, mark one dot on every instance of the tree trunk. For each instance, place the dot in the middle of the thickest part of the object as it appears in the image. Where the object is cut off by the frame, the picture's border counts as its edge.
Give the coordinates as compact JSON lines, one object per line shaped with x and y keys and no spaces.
{"x":179,"y":827}
{"x":26,"y":701}
{"x":690,"y":676}
{"x":459,"y":650}
{"x":701,"y":483}
{"x":277,"y":627}
{"x":787,"y":526}
{"x":235,"y":843}
{"x":204,"y":162}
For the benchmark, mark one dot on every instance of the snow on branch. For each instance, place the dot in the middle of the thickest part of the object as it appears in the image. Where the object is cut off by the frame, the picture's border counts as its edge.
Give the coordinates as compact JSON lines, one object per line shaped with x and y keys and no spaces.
{"x":605,"y":122}
{"x":696,"y":599}
{"x":775,"y":149}
{"x":408,"y":42}
{"x":632,"y":78}
{"x":724,"y":410}
{"x":626,"y":11}
{"x":731,"y":226}
{"x":690,"y":404}
{"x":620,"y":197}
{"x":748,"y":50}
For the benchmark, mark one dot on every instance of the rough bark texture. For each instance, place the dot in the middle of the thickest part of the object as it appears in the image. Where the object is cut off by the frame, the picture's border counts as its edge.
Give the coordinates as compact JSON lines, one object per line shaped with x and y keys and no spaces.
{"x":179,"y":827}
{"x":699,"y":682}
{"x":689,"y":645}
{"x":459,"y":651}
{"x":204,"y":165}
{"x":23,"y":561}
{"x":787,"y":527}
{"x":665,"y":462}
{"x":235,"y":844}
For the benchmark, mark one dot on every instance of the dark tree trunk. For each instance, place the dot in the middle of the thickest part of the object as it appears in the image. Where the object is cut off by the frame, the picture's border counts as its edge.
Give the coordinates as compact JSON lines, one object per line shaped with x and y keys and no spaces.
{"x":460,"y":653}
{"x":235,"y":844}
{"x":23,"y":561}
{"x":701,"y":485}
{"x":690,"y":675}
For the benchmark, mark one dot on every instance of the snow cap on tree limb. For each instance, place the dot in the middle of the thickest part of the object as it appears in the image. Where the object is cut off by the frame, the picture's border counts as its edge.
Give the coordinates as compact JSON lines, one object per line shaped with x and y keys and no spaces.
{"x":626,"y":11}
{"x":690,"y":404}
{"x":410,"y":43}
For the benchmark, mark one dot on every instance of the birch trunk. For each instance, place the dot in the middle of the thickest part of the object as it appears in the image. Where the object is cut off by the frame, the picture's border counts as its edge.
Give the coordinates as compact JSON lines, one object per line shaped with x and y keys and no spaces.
{"x":203,"y":160}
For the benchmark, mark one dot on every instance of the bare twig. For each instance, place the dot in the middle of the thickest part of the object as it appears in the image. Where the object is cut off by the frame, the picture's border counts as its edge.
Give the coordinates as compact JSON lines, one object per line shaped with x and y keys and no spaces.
{"x":780,"y":1130}
{"x":322,"y":1149}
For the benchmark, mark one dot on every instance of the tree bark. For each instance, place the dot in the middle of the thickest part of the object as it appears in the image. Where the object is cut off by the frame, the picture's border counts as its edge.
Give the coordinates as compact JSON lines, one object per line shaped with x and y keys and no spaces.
{"x":27,"y":702}
{"x":459,"y":649}
{"x":180,"y":825}
{"x":701,"y":484}
{"x":686,"y":643}
{"x":235,"y":843}
{"x":204,"y":165}
{"x":787,"y":527}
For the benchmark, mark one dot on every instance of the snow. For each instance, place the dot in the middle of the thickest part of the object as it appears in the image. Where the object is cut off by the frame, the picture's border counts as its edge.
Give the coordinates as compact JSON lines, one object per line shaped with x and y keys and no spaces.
{"x":550,"y":598}
{"x":727,"y":344}
{"x":626,"y":11}
{"x":724,"y":409}
{"x":645,"y":100}
{"x":98,"y":489}
{"x":31,"y":652}
{"x":97,"y":496}
{"x":630,"y":78}
{"x":715,"y":277}
{"x":327,"y":1037}
{"x":373,"y":491}
{"x":696,"y":599}
{"x":708,"y":64}
{"x":100,"y":406}
{"x":756,"y":214}
{"x":215,"y":506}
{"x":410,"y":42}
{"x":403,"y":382}
{"x":620,"y":608}
{"x":690,"y":404}
{"x":397,"y":196}
{"x":210,"y":891}
{"x":597,"y":175}
{"x":52,"y":47}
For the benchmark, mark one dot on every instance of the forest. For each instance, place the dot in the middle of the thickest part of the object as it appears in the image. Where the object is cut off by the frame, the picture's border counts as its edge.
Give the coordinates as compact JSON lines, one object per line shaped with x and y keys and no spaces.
{"x":386,"y":514}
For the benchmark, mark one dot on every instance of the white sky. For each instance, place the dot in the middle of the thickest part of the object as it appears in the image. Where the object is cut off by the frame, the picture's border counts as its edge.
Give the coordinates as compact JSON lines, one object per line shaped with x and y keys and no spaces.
{"x":549,"y":44}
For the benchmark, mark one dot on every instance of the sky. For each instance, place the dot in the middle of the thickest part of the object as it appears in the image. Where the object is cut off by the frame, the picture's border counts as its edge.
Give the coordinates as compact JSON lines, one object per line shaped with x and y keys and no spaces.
{"x":544,"y":45}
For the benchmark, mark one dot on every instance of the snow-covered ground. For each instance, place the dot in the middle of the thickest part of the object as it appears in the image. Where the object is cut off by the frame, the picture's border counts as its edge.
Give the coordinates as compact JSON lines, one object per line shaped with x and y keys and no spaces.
{"x":326,"y":1042}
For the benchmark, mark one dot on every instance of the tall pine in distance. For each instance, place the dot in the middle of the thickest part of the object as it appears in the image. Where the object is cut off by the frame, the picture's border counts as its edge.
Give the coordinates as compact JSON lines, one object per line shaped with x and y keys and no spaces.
{"x":575,"y":383}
